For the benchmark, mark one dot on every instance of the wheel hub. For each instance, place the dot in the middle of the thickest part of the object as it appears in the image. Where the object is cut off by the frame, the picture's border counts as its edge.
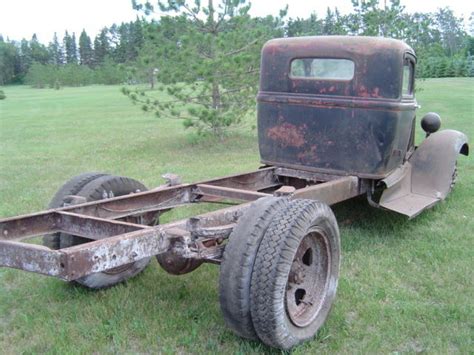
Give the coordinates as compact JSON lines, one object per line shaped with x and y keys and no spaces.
{"x":308,"y":279}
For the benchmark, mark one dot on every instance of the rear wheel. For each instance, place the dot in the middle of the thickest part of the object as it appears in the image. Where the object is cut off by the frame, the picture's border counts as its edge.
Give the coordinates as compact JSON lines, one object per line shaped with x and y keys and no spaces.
{"x":238,"y":264}
{"x":97,"y":187}
{"x":295,"y":274}
{"x":71,"y":187}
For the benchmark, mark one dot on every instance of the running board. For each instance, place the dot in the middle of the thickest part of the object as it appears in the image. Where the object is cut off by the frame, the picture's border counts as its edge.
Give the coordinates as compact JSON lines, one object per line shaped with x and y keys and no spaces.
{"x":400,"y":197}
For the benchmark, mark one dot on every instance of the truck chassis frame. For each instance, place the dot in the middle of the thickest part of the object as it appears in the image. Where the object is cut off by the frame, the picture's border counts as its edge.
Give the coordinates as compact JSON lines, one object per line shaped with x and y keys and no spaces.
{"x":116,"y":242}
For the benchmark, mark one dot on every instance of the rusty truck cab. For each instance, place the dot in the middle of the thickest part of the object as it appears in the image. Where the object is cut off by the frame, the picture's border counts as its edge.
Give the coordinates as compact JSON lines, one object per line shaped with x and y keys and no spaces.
{"x":337,"y":104}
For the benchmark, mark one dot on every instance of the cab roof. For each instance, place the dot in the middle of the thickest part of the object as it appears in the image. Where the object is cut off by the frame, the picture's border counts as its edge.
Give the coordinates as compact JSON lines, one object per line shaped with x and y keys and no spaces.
{"x":378,"y":65}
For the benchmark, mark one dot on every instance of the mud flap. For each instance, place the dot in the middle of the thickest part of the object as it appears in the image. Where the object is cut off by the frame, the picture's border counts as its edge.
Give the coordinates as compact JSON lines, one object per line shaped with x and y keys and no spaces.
{"x":426,"y":178}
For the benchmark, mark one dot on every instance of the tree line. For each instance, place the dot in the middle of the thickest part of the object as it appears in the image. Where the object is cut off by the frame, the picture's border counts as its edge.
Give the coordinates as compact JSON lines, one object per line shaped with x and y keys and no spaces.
{"x":72,"y":61}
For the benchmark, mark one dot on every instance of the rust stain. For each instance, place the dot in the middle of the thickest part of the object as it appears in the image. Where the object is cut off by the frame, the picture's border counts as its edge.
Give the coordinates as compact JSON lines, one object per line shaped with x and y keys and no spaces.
{"x":288,"y":135}
{"x":309,"y":155}
{"x":365,"y":92}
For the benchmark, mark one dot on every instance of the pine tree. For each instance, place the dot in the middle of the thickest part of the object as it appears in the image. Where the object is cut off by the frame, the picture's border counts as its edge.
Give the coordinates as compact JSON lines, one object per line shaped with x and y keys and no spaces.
{"x":8,"y":56}
{"x":208,"y":55}
{"x":329,"y":23}
{"x":56,"y":52}
{"x":25,"y":57}
{"x":86,"y":54}
{"x":70,"y":48}
{"x":39,"y":52}
{"x":101,"y":47}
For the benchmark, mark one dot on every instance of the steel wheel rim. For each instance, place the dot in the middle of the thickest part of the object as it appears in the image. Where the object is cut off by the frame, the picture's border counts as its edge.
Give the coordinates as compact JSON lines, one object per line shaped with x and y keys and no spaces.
{"x":308,"y":279}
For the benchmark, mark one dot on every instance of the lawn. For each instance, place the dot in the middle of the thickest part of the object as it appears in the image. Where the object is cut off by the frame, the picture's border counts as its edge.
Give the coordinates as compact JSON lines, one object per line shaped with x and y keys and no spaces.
{"x":405,"y":286}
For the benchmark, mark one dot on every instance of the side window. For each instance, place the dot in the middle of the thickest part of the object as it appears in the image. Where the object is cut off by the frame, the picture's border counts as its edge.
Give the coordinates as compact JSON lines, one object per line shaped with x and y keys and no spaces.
{"x":408,"y":78}
{"x":322,"y":69}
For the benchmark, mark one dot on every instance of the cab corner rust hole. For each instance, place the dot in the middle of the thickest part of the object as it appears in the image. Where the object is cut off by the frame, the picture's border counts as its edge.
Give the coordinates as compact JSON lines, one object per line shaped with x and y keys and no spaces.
{"x":299,"y":295}
{"x":308,"y":257}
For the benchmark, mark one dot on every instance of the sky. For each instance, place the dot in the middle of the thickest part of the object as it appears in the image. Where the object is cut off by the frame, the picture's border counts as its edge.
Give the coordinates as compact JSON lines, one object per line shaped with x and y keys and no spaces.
{"x":21,"y":18}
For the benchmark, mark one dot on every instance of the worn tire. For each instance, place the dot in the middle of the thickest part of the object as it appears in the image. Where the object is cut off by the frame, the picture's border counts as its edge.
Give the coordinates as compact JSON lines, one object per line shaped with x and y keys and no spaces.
{"x":238,"y":263}
{"x":271,"y":283}
{"x":71,"y":187}
{"x":97,"y":189}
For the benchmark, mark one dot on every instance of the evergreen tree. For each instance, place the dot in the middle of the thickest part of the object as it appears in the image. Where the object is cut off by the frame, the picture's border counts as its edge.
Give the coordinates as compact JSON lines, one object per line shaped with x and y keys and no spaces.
{"x":136,"y":39}
{"x":209,"y":58}
{"x":8,"y":57}
{"x":56,"y":52}
{"x":39,"y":53}
{"x":329,"y":23}
{"x":372,"y":20}
{"x":311,"y":26}
{"x":70,"y":48}
{"x":86,"y":54}
{"x":25,"y":57}
{"x":451,"y":28}
{"x":101,"y":47}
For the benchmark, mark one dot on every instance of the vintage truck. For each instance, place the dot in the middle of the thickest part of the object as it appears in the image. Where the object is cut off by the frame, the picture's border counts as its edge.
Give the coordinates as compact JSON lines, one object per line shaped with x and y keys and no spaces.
{"x":336,"y":120}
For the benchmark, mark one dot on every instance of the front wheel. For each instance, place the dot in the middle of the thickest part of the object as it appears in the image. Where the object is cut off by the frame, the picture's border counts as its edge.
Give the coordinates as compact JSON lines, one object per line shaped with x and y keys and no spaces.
{"x":295,"y":276}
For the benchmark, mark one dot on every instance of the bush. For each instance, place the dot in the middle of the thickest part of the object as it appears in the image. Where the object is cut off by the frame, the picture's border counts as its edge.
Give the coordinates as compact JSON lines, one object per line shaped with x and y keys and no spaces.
{"x":2,"y":95}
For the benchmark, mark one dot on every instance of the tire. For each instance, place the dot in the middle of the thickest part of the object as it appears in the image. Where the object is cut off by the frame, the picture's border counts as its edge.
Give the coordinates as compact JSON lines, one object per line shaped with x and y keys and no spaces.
{"x":295,"y":274}
{"x":238,"y":264}
{"x":97,"y":189}
{"x":71,"y":187}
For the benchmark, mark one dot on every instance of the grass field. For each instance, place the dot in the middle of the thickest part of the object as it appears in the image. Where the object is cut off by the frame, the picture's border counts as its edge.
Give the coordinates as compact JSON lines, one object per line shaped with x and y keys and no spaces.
{"x":405,"y":286}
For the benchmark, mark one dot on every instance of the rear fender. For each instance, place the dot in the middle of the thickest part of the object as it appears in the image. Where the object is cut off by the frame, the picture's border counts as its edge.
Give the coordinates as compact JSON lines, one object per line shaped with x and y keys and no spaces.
{"x":427,"y":177}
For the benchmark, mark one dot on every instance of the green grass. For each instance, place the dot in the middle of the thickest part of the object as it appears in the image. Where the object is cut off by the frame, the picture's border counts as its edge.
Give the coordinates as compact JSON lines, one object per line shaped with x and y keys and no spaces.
{"x":405,"y":286}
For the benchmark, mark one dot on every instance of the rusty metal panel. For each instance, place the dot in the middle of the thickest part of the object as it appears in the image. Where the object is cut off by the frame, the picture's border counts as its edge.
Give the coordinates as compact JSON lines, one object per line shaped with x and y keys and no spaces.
{"x":355,"y":127}
{"x":31,"y":257}
{"x":109,"y":253}
{"x":333,"y":191}
{"x":427,"y":177}
{"x":135,"y":204}
{"x":434,"y":163}
{"x":346,"y":141}
{"x":378,"y":65}
{"x":305,"y":175}
{"x":256,"y":180}
{"x":93,"y":227}
{"x":228,"y":192}
{"x":15,"y":228}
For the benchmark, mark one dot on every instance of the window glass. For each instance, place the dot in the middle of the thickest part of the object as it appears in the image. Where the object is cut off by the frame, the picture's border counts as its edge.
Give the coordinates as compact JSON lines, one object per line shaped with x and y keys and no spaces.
{"x":407,"y":86}
{"x":322,"y":68}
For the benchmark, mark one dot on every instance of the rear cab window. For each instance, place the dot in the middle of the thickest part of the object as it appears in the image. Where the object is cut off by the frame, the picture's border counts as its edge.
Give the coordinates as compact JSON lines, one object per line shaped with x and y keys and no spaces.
{"x":322,"y":69}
